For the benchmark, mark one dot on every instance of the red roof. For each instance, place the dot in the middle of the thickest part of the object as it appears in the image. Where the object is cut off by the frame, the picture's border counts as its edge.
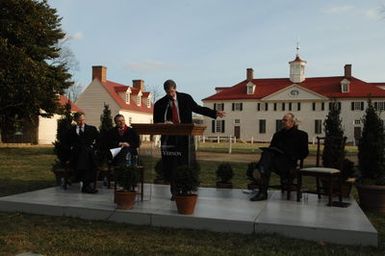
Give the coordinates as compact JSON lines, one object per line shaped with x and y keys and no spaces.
{"x":114,"y":88}
{"x":327,"y":86}
{"x":63,"y":100}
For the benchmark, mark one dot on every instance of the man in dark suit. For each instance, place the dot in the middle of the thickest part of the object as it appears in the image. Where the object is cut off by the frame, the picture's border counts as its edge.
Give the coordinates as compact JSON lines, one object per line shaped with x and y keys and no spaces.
{"x":125,"y":137}
{"x":177,"y":108}
{"x":287,"y":147}
{"x":81,"y":140}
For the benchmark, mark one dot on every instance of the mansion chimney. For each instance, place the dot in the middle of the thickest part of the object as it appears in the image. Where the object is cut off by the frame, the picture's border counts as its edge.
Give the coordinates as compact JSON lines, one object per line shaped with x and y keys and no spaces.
{"x":100,"y":73}
{"x":249,"y":74}
{"x":348,"y":71}
{"x":138,"y":84}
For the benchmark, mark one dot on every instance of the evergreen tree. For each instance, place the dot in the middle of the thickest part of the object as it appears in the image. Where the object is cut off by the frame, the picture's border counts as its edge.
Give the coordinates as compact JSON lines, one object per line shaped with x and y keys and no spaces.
{"x":333,"y":154}
{"x":30,"y":76}
{"x":105,"y":126}
{"x":371,"y":148}
{"x":105,"y":120}
{"x":63,"y":125}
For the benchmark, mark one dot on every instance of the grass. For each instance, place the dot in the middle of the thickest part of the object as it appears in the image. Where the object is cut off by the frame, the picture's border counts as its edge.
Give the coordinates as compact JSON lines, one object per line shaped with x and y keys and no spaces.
{"x":24,"y":169}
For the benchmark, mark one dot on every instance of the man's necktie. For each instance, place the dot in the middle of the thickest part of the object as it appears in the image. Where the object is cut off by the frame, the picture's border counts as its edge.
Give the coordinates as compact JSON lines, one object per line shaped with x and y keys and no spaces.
{"x":81,"y":132}
{"x":175,"y":117}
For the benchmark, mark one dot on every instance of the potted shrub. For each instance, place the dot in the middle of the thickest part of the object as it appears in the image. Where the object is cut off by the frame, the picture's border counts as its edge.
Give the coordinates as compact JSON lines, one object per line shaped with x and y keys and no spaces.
{"x":224,"y":175}
{"x":186,"y":184}
{"x":333,"y":154}
{"x":371,"y":159}
{"x":126,"y":179}
{"x":60,"y":167}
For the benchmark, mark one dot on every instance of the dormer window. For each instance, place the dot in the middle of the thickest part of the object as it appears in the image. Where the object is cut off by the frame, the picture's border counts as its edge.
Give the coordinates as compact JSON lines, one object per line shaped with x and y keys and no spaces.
{"x":345,"y":86}
{"x":250,"y":88}
{"x":139,"y":99}
{"x":128,"y":96}
{"x":148,"y":101}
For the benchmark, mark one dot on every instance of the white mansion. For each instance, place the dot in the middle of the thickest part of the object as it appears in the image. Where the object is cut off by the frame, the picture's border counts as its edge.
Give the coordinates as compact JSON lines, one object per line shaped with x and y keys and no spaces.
{"x":254,"y":107}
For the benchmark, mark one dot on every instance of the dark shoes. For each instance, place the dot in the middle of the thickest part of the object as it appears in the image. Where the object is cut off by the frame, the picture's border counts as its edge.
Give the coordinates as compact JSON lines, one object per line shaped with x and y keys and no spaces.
{"x":259,"y":197}
{"x":89,"y":190}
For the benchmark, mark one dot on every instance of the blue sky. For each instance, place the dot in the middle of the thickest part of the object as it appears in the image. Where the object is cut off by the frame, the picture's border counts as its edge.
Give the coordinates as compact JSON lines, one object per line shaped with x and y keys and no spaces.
{"x":202,"y":44}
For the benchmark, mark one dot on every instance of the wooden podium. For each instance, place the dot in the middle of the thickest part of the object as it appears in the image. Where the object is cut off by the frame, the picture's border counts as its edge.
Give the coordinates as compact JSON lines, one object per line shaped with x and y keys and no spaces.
{"x":172,"y":130}
{"x":169,"y":129}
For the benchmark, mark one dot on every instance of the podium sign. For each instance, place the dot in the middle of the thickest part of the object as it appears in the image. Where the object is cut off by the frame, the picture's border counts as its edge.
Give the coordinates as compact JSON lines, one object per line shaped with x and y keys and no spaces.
{"x":177,"y":142}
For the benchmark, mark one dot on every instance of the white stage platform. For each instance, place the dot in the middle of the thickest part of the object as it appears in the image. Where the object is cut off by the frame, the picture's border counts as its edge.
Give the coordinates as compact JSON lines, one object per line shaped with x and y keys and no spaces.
{"x":220,"y":210}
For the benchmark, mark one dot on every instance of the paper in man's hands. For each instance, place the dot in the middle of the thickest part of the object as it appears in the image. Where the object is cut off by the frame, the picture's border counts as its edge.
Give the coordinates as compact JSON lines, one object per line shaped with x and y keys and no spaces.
{"x":115,"y":151}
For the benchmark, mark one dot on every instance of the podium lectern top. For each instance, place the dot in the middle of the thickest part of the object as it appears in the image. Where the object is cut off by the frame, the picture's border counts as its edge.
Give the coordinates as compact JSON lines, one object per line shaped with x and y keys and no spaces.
{"x":169,"y":129}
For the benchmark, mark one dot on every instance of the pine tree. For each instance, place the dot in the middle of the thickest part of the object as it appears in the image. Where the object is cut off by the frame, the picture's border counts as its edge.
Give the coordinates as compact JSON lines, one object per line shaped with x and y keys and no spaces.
{"x":371,"y":147}
{"x":333,"y":154}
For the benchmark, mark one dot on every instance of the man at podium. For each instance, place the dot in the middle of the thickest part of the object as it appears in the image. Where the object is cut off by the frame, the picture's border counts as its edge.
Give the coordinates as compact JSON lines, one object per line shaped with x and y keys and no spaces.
{"x":177,"y":108}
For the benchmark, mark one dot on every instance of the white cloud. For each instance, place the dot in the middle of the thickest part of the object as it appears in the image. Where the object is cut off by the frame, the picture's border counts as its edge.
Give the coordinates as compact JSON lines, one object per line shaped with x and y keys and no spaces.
{"x":149,"y":65}
{"x":339,"y":9}
{"x":374,"y":14}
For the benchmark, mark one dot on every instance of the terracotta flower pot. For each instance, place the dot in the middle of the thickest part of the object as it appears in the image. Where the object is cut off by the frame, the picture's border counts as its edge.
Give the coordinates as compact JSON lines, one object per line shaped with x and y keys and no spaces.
{"x":186,"y":204}
{"x":125,"y":199}
{"x":371,"y":197}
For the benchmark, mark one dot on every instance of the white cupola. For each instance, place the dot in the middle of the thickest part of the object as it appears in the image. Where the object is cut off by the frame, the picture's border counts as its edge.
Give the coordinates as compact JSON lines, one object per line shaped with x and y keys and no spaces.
{"x":297,"y":69}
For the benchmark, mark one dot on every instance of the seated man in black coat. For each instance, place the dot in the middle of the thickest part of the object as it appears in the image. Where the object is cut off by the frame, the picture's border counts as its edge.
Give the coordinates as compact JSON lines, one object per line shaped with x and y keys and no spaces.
{"x":81,"y":140}
{"x":125,"y":137}
{"x":287,"y":146}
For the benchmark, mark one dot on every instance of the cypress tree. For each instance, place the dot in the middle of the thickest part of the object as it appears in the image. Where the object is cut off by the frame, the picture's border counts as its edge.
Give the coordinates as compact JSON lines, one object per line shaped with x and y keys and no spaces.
{"x":371,"y":147}
{"x":333,"y":154}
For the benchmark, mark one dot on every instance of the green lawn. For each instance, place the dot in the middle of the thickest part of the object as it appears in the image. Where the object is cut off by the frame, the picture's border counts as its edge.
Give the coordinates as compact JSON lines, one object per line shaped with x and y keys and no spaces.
{"x":24,"y":169}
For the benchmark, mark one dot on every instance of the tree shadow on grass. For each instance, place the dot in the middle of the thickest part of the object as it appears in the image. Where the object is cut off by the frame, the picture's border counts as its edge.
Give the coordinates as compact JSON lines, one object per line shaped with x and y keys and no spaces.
{"x":15,"y":186}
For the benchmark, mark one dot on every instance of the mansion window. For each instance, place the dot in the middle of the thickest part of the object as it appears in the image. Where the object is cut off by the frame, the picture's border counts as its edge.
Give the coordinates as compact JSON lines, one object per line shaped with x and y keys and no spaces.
{"x":317,"y":126}
{"x":335,"y":105}
{"x":318,"y":106}
{"x":298,"y":106}
{"x":357,"y":105}
{"x":262,"y":126}
{"x":218,"y":126}
{"x":237,"y":106}
{"x":357,"y":122}
{"x":278,"y":125}
{"x":237,"y":121}
{"x":379,"y":105}
{"x":283,"y":106}
{"x":275,"y":106}
{"x":290,"y":106}
{"x":262,"y":106}
{"x":219,"y":106}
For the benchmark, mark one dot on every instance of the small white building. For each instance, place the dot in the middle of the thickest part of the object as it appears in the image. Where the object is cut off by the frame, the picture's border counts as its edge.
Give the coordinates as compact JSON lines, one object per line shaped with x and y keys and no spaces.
{"x":47,"y":128}
{"x":254,"y":107}
{"x":133,"y":102}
